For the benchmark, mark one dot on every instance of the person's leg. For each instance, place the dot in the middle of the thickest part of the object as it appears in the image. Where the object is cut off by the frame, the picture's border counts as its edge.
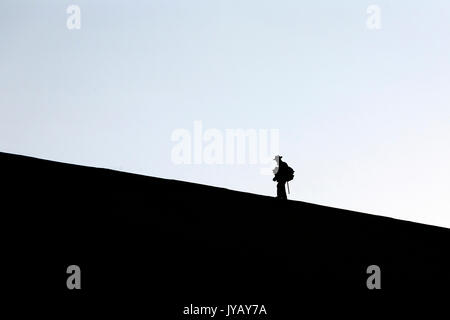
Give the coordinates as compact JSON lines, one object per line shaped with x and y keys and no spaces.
{"x":283,"y":191}
{"x":279,"y":193}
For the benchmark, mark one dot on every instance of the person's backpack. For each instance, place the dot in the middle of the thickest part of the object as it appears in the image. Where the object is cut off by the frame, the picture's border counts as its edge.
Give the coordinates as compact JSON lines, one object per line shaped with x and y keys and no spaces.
{"x":289,"y":173}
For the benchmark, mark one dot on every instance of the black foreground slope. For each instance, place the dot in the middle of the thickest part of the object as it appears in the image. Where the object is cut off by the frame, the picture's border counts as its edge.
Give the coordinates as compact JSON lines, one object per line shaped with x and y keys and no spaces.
{"x":152,"y":245}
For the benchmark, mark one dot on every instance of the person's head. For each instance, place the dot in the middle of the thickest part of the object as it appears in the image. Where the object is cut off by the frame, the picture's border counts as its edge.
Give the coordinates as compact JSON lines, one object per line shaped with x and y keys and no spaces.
{"x":277,"y":158}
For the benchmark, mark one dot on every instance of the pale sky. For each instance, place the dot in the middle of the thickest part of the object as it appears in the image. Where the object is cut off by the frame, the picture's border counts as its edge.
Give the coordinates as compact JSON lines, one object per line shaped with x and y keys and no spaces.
{"x":363,"y":115}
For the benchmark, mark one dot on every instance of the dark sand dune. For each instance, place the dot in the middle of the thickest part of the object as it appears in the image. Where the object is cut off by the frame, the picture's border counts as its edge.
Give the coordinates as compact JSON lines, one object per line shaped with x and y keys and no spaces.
{"x":153,"y":245}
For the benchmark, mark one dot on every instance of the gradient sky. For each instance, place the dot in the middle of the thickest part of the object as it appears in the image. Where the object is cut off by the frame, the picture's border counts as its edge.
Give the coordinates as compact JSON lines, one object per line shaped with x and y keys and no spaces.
{"x":364,"y":115}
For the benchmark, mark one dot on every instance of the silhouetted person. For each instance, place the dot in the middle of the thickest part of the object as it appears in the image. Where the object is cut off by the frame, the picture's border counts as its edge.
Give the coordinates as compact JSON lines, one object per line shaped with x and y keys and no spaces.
{"x":283,"y":173}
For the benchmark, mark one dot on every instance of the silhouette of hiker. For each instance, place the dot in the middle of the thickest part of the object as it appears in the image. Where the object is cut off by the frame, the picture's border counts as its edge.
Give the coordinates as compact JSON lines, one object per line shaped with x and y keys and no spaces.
{"x":283,"y":173}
